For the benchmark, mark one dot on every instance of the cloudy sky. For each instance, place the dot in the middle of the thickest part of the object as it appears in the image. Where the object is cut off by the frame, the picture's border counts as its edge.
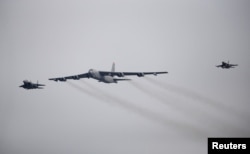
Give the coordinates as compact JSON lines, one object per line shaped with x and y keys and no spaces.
{"x":171,"y":113}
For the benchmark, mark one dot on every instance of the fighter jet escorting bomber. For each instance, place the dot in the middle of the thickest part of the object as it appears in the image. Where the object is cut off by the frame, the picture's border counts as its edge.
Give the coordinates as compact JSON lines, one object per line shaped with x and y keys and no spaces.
{"x":105,"y":76}
{"x":227,"y":65}
{"x":29,"y":85}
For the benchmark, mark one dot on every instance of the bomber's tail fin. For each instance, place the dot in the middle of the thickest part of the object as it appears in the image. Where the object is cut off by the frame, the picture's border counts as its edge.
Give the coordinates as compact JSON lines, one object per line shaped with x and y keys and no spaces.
{"x":113,"y":67}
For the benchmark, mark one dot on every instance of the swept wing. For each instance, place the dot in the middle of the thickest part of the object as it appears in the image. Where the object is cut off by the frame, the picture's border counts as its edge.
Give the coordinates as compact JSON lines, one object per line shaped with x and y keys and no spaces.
{"x":74,"y":77}
{"x":122,"y":74}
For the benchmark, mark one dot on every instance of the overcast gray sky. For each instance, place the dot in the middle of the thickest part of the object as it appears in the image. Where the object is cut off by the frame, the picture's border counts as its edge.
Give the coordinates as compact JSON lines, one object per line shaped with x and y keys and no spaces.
{"x":173,"y":113}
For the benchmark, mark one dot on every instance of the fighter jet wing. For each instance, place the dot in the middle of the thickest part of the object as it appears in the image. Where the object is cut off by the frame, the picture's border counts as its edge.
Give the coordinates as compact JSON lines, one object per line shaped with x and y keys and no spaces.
{"x":122,"y":74}
{"x":74,"y":77}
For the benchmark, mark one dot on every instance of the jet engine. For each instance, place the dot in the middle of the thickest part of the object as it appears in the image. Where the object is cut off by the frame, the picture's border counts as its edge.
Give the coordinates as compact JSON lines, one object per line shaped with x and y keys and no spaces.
{"x":76,"y":77}
{"x":62,"y":79}
{"x":120,"y":74}
{"x":140,"y":74}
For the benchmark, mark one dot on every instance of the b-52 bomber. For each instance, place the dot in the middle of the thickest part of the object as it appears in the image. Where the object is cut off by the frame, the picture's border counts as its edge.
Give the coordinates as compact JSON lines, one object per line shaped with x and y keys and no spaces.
{"x":227,"y":65}
{"x":105,"y":76}
{"x":29,"y":85}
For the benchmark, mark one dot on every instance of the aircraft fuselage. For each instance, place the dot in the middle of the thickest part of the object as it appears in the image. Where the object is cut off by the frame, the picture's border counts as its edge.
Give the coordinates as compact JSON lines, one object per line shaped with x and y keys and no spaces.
{"x":101,"y":78}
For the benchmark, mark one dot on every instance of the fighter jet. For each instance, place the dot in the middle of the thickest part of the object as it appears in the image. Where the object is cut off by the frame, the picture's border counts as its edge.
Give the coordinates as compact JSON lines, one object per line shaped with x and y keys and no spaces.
{"x":105,"y":76}
{"x":227,"y":65}
{"x":29,"y":85}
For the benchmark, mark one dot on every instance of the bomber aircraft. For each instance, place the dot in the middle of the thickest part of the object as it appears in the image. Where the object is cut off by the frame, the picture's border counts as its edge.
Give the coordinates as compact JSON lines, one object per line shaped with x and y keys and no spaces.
{"x":105,"y":76}
{"x":29,"y":85}
{"x":227,"y":65}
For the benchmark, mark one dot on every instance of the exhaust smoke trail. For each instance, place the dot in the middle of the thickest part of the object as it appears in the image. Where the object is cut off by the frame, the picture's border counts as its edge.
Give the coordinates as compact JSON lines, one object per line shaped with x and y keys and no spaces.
{"x":195,"y":96}
{"x":181,"y":109}
{"x":216,"y":105}
{"x":83,"y":90}
{"x":155,"y":95}
{"x":150,"y":115}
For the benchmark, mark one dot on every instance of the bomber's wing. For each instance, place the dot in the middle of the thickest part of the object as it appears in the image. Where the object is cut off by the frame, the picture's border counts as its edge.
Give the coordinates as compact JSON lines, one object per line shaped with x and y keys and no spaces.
{"x":122,"y":74}
{"x":74,"y":77}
